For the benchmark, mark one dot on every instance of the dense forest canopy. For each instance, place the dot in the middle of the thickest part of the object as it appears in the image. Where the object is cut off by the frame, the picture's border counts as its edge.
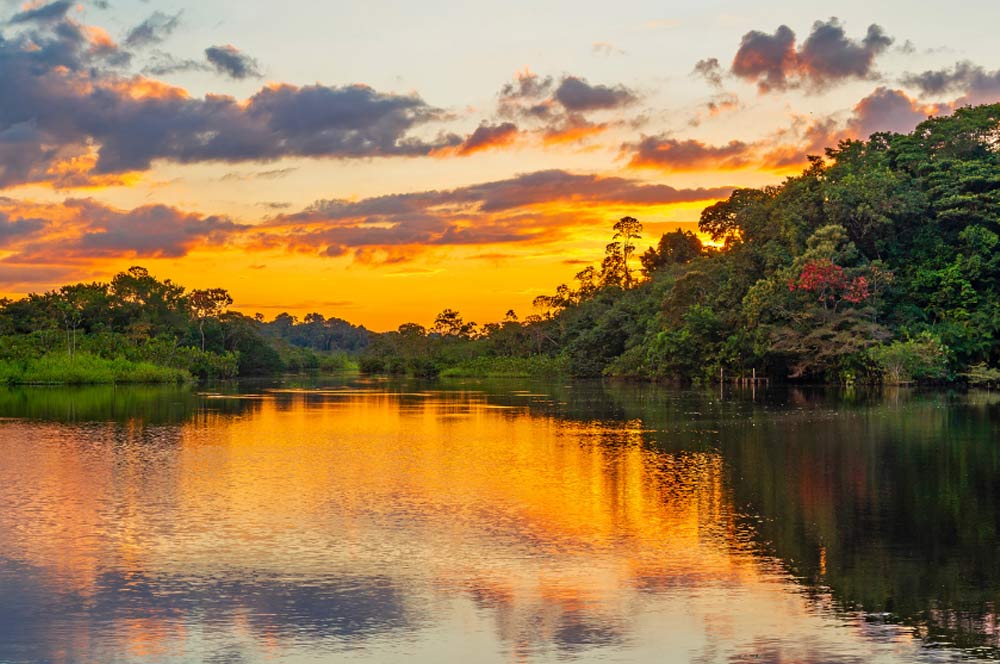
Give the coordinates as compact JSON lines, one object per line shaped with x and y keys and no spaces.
{"x":879,"y":262}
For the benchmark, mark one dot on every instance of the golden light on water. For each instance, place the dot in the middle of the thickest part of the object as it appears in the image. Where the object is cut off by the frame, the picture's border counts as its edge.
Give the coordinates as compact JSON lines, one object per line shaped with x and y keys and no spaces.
{"x":516,"y":525}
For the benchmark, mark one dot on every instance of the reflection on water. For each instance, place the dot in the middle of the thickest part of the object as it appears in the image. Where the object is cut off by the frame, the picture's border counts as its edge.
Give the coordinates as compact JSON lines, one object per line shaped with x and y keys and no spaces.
{"x":371,"y":521}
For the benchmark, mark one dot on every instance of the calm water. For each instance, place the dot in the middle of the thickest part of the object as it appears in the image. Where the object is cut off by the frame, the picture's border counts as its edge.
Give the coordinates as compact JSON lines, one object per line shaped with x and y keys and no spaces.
{"x":497,"y":522}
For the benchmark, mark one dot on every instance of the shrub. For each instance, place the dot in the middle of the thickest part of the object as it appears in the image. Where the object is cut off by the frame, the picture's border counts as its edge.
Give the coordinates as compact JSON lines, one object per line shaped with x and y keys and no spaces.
{"x":924,"y":358}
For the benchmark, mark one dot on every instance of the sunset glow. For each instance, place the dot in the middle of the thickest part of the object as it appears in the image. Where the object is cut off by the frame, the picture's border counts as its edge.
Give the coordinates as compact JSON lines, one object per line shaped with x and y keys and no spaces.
{"x":382,"y":180}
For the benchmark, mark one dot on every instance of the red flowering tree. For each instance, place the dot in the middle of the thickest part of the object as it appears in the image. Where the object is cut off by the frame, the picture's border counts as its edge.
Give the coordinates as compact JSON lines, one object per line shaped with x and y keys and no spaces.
{"x":830,"y":284}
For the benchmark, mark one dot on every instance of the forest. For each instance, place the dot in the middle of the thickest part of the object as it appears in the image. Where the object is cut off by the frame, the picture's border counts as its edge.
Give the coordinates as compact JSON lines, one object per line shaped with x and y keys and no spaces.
{"x":879,"y":263}
{"x":137,"y":328}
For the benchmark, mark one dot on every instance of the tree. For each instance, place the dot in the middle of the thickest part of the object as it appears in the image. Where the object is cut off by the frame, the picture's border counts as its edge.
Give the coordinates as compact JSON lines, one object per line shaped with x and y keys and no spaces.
{"x":208,"y":303}
{"x":615,"y":271}
{"x":75,"y":304}
{"x":449,"y":323}
{"x":674,"y":248}
{"x":626,"y":230}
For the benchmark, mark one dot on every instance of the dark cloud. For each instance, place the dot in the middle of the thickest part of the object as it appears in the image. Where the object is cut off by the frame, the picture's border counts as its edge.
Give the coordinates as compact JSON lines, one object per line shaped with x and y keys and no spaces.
{"x":557,"y":111}
{"x":487,"y":136}
{"x":531,"y":96}
{"x":11,"y":229}
{"x":710,"y":70}
{"x":60,"y":102}
{"x":153,"y":30}
{"x":526,"y":86}
{"x":885,"y":110}
{"x":232,"y":62}
{"x":499,"y":212}
{"x":826,"y":57}
{"x":529,"y":208}
{"x":520,"y":191}
{"x":150,"y":231}
{"x":766,"y":59}
{"x":671,"y":154}
{"x":977,"y":85}
{"x":165,"y":64}
{"x":577,"y":95}
{"x":52,"y":12}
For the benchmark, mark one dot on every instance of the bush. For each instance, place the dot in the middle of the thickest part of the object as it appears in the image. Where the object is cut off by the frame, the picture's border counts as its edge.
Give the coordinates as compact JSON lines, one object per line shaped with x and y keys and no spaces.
{"x":982,"y":375}
{"x":922,"y":359}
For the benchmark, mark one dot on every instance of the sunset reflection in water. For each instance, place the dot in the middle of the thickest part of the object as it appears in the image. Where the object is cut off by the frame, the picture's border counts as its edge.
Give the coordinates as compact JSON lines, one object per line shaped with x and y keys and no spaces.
{"x":360,"y":524}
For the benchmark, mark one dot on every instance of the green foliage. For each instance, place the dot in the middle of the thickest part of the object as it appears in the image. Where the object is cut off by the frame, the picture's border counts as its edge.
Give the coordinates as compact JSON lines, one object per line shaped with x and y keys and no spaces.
{"x":139,"y":321}
{"x":878,"y":263}
{"x":982,"y":375}
{"x":84,"y":368}
{"x":922,"y":359}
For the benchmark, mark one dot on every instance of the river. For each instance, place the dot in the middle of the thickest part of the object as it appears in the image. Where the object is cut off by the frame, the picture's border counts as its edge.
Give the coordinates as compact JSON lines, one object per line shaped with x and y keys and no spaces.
{"x":365,"y":520}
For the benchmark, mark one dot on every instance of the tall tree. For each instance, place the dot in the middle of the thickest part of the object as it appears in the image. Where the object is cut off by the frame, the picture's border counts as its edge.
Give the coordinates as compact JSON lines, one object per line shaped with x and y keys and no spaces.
{"x":208,"y":303}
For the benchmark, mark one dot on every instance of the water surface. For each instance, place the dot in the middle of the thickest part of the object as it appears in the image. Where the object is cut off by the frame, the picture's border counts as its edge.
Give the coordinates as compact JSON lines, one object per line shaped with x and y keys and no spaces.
{"x":375,"y":521}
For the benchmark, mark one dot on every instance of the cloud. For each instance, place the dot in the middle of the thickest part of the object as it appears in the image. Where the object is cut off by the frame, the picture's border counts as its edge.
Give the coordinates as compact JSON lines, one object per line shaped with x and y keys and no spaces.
{"x":232,"y":62}
{"x":883,"y":110}
{"x":531,"y":96}
{"x":722,"y":102}
{"x":153,"y":30}
{"x":710,"y":70}
{"x":164,"y":64}
{"x":556,"y":111}
{"x":826,"y":57}
{"x":60,"y":103}
{"x":486,"y":137}
{"x":530,"y":208}
{"x":12,"y":229}
{"x":886,"y":110}
{"x":977,"y":85}
{"x":766,"y":59}
{"x":52,"y":12}
{"x":671,"y":154}
{"x":576,"y":95}
{"x":84,"y":229}
{"x":149,"y":231}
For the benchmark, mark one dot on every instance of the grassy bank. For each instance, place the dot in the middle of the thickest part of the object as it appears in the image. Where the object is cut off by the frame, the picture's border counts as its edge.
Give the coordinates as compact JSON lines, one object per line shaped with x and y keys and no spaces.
{"x":537,"y":366}
{"x":85,"y":369}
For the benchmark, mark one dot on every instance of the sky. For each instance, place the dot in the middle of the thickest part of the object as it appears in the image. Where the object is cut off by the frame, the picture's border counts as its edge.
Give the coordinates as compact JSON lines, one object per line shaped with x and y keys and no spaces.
{"x":382,"y":161}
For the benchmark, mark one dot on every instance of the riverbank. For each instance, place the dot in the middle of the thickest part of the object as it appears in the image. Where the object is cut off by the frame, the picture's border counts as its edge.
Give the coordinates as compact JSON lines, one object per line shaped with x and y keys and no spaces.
{"x":85,"y":369}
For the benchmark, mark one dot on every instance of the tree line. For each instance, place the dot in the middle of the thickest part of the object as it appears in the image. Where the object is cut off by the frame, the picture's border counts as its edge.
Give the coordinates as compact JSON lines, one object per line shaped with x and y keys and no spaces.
{"x":879,"y":262}
{"x":136,"y":317}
